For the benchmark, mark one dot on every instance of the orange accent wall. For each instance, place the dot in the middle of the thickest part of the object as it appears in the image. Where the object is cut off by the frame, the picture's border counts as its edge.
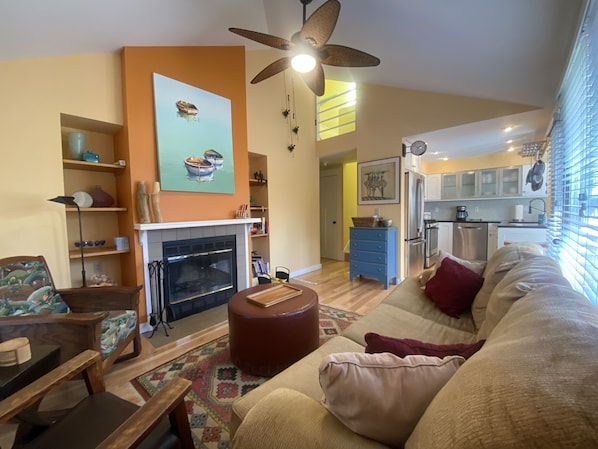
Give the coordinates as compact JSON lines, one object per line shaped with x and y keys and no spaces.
{"x":220,"y":70}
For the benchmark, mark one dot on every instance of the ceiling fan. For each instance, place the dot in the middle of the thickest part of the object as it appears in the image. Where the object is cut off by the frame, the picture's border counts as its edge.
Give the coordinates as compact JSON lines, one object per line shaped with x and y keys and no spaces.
{"x":309,"y":47}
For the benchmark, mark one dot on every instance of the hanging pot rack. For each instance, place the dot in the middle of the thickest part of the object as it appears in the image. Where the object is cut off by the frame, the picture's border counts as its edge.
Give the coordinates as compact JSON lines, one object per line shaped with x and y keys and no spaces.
{"x":536,"y":149}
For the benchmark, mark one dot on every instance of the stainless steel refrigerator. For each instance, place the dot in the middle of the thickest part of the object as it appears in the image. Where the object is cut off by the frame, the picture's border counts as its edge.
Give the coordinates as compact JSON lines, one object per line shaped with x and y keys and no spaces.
{"x":414,"y":223}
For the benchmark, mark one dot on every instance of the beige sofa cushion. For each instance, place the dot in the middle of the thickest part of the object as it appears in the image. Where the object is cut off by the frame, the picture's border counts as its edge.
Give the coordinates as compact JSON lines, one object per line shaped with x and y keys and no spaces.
{"x":532,"y":385}
{"x":497,"y":267}
{"x":287,"y":419}
{"x":518,"y":282}
{"x":398,"y":323}
{"x":410,"y":297}
{"x":382,"y":396}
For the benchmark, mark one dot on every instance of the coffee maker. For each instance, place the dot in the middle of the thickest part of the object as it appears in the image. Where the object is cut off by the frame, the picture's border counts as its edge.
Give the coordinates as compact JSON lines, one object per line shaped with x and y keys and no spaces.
{"x":462,"y":213}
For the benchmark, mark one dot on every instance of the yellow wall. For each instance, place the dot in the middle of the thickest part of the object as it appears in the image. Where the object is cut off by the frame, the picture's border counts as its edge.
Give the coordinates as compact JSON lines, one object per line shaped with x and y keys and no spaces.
{"x":33,"y":93}
{"x":349,"y":198}
{"x":502,"y":159}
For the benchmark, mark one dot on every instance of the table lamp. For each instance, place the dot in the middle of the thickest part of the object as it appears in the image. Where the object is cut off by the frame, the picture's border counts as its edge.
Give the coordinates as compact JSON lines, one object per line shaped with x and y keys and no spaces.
{"x":70,"y":201}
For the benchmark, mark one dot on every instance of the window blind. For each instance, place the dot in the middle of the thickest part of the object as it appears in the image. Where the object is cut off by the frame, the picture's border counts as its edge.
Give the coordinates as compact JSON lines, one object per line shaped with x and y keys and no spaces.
{"x":573,"y":224}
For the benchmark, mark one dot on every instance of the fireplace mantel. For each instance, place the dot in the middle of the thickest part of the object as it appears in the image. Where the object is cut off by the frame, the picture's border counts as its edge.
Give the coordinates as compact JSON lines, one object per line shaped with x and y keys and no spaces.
{"x":194,"y":224}
{"x":151,"y":236}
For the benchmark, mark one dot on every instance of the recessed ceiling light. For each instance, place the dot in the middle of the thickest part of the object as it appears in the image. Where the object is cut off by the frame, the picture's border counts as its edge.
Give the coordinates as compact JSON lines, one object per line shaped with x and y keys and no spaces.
{"x":511,"y":149}
{"x":508,"y":129}
{"x":510,"y":141}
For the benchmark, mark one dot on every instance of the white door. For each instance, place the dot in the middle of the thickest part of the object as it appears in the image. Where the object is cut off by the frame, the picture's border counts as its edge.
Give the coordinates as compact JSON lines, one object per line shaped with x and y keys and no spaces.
{"x":331,"y":198}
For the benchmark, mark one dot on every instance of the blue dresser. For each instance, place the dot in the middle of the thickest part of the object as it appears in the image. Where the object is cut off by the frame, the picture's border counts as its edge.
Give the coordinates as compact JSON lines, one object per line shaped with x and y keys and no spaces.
{"x":374,"y":254}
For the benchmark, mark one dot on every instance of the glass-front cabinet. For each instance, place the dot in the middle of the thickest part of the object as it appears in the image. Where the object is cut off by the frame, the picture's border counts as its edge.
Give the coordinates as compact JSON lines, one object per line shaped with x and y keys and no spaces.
{"x":510,"y":181}
{"x":449,"y":186}
{"x":488,"y":182}
{"x":468,"y":184}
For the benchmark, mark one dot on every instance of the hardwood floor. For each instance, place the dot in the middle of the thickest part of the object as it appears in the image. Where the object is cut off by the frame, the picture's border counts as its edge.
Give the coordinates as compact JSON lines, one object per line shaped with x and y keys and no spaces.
{"x":333,"y":288}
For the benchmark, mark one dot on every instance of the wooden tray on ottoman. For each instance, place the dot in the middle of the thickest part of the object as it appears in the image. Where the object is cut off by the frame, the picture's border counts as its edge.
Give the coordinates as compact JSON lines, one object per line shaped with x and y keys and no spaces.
{"x":274,"y":295}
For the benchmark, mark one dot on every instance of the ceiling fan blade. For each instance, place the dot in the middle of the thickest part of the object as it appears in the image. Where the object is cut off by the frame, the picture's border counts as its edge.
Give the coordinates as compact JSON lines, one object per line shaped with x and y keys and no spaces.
{"x":315,"y":80}
{"x":262,"y":38}
{"x":277,"y":66}
{"x":339,"y":55}
{"x":320,"y":25}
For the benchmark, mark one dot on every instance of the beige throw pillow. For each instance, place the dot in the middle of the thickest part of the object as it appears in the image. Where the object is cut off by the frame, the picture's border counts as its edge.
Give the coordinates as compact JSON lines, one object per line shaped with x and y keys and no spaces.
{"x":382,"y":396}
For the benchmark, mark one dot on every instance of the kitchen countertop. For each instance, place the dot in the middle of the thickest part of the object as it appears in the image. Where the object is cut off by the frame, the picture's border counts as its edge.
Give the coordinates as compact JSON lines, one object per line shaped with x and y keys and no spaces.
{"x":500,"y":223}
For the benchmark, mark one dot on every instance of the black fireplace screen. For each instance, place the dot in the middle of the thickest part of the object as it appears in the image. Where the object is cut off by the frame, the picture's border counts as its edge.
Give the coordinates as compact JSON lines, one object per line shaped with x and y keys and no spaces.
{"x":198,"y":274}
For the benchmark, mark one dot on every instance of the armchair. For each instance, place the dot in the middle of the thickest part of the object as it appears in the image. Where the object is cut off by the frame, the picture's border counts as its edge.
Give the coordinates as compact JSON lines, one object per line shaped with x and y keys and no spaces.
{"x":104,"y":319}
{"x":101,"y":419}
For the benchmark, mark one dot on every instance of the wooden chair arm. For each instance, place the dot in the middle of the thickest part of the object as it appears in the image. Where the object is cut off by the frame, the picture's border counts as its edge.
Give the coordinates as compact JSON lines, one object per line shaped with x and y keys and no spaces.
{"x":170,"y":399}
{"x":73,"y":332}
{"x":88,"y":362}
{"x":97,"y":299}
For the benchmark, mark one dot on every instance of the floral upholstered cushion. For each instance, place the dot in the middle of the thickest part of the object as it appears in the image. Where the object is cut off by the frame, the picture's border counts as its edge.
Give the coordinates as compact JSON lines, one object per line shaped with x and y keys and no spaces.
{"x":26,"y":289}
{"x":115,"y":329}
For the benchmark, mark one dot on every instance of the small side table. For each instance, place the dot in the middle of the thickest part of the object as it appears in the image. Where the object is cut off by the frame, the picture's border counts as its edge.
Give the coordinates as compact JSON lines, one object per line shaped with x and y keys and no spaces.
{"x":44,"y":358}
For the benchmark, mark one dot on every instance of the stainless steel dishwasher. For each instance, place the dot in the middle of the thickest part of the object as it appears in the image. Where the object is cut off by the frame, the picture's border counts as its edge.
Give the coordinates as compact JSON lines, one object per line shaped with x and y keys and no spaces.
{"x":470,"y":240}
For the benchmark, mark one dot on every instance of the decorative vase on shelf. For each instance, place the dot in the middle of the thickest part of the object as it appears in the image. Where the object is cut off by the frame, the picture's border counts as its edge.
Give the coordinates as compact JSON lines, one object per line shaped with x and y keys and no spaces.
{"x":76,"y":145}
{"x":101,"y":198}
{"x":156,"y":203}
{"x":142,"y":203}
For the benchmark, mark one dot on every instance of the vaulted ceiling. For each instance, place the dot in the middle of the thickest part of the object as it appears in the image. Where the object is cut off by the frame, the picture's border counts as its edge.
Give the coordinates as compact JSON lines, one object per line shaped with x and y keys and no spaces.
{"x":509,"y":50}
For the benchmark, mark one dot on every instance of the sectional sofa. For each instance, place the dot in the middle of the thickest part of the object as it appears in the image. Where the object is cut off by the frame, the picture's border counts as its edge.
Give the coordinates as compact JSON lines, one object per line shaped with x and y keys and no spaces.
{"x":517,"y":368}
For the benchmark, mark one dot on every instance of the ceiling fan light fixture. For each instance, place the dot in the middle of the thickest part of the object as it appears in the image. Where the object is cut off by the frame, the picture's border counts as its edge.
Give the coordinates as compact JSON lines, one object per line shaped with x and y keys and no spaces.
{"x":303,"y":63}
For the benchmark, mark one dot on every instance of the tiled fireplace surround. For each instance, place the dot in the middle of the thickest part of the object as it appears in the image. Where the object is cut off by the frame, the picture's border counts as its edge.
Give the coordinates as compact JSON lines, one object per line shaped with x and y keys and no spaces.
{"x":151,"y":236}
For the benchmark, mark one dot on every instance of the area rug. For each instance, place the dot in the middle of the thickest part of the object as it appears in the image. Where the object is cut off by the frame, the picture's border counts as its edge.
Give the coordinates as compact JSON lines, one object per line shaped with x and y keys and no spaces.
{"x":217,"y":383}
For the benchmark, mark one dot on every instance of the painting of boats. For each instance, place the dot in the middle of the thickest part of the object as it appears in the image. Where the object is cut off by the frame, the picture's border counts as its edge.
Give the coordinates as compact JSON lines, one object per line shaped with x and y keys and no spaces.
{"x":186,"y":107}
{"x":215,"y":158}
{"x":198,"y":166}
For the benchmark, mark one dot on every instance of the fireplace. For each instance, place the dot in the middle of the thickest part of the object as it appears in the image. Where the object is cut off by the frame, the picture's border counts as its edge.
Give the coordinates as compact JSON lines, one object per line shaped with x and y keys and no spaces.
{"x":153,"y":235}
{"x":198,"y":274}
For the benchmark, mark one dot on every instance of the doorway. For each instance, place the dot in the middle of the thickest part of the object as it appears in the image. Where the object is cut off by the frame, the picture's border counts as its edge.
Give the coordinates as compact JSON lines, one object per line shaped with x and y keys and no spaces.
{"x":331,"y":217}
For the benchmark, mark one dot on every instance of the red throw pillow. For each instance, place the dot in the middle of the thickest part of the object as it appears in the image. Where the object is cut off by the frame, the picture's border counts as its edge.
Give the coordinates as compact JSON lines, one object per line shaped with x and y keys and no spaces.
{"x":454,"y":287}
{"x":402,"y":347}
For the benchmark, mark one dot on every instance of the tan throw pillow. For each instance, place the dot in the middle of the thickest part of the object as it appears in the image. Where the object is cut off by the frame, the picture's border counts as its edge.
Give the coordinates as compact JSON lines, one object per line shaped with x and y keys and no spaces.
{"x":382,"y":396}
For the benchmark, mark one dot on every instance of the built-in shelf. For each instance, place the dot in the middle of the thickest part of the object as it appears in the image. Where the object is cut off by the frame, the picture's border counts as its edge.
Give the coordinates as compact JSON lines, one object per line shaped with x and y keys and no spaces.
{"x":97,"y":209}
{"x":259,"y":208}
{"x":95,"y":252}
{"x":256,"y":236}
{"x":258,"y":182}
{"x":73,"y":164}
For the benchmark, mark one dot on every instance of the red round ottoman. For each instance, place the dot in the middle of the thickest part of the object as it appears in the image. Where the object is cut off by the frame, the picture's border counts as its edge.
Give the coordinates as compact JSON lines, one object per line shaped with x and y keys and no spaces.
{"x":266,"y":340}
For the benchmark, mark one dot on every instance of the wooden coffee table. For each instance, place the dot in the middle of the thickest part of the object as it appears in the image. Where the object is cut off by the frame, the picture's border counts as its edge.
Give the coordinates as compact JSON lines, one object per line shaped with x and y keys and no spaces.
{"x":266,"y":340}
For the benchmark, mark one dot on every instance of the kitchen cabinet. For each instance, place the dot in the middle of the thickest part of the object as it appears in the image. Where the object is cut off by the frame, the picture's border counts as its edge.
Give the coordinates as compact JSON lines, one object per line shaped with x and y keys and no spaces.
{"x":258,"y":205}
{"x":445,"y":237}
{"x":492,"y":239}
{"x":412,"y":162}
{"x":515,"y":234}
{"x":488,"y":182}
{"x":99,"y":224}
{"x":449,"y":186}
{"x":373,"y":254}
{"x":433,"y":187}
{"x":510,"y":181}
{"x":468,"y":184}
